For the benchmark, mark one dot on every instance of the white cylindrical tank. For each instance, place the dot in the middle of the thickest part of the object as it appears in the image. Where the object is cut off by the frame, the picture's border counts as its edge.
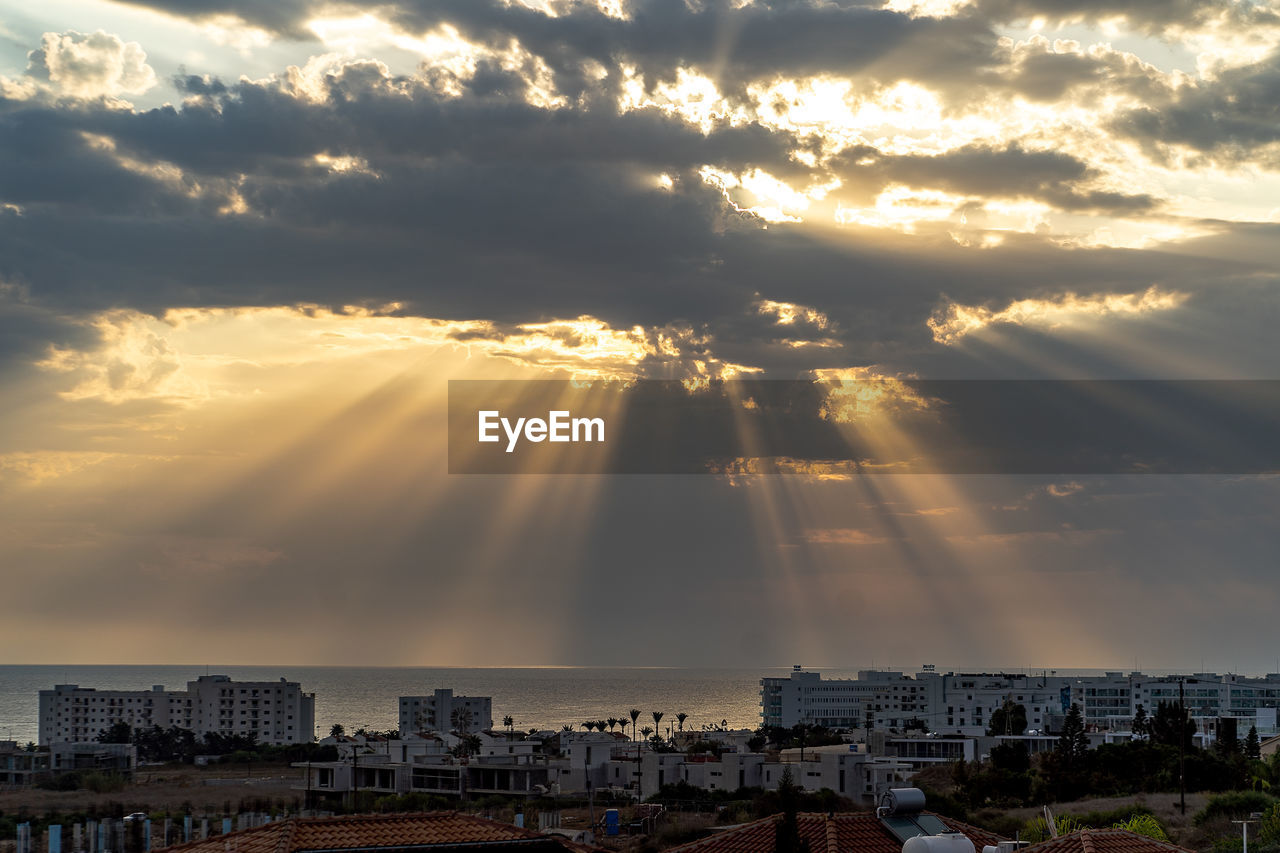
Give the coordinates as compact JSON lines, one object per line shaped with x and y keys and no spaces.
{"x":947,"y":842}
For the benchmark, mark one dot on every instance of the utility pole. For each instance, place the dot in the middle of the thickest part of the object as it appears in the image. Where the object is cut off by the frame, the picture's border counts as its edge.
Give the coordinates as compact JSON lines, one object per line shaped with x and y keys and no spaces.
{"x":1182,"y":747}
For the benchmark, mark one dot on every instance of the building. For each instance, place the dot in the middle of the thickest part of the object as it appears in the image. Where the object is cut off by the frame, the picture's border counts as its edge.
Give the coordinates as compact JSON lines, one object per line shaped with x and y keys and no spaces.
{"x":511,"y":775}
{"x":276,"y":712}
{"x":442,"y":711}
{"x":947,"y":703}
{"x":456,"y":833}
{"x":882,"y":698}
{"x":112,"y":758}
{"x":962,"y":704}
{"x":20,"y":767}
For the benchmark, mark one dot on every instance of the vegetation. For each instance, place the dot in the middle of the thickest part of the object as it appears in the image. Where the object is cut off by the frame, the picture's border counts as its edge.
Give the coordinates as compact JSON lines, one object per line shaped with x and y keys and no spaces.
{"x":178,"y":744}
{"x":1009,"y":719}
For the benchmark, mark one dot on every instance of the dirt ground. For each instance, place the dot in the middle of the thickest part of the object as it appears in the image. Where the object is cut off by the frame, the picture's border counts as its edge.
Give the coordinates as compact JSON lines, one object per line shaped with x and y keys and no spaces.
{"x":171,"y":787}
{"x":1163,"y":806}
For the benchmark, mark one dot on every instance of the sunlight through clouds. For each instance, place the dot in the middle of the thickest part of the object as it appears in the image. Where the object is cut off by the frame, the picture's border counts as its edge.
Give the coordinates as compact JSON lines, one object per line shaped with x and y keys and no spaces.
{"x":953,"y":322}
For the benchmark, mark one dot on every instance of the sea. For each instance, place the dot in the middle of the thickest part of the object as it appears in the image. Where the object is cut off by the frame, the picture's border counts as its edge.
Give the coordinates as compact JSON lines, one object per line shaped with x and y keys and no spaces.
{"x":535,"y":697}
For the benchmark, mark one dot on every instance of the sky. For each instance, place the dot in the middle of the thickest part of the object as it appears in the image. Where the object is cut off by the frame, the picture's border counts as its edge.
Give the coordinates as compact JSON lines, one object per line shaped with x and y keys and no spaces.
{"x":245,"y":245}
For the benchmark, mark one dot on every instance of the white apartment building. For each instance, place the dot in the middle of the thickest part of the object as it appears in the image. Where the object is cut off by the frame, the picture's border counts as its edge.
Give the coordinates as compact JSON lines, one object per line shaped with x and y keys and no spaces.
{"x":886,"y":698}
{"x":1111,"y":703}
{"x":947,"y":703}
{"x":442,"y":711}
{"x":277,"y":712}
{"x":963,"y":703}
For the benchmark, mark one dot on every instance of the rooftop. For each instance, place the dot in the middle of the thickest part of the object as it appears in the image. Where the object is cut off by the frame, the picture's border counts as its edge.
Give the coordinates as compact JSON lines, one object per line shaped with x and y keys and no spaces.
{"x":378,"y":832}
{"x":1105,"y":841}
{"x":848,"y":832}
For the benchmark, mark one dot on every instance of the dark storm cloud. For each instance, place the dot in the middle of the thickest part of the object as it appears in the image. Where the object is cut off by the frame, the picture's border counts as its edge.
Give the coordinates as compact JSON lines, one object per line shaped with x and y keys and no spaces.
{"x":1228,"y":119}
{"x":484,"y":206}
{"x":251,"y":127}
{"x":787,"y":37}
{"x":27,"y":330}
{"x":1010,"y":171}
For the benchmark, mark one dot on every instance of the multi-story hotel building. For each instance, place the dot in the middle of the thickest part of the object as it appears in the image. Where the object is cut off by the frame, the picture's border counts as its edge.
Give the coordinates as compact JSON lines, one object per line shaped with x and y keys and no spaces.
{"x":276,"y":712}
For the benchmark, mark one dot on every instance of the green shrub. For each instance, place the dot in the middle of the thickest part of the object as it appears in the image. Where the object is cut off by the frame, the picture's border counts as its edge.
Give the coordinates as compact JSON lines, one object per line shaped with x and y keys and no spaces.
{"x":1234,"y":805}
{"x":1144,"y":824}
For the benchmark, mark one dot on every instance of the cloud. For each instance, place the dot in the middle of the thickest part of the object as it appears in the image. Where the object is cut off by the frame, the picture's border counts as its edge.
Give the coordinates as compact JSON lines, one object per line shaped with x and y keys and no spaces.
{"x":90,"y":65}
{"x":1155,"y":17}
{"x":1232,"y":119}
{"x":983,"y":171}
{"x":955,"y":321}
{"x":843,"y":536}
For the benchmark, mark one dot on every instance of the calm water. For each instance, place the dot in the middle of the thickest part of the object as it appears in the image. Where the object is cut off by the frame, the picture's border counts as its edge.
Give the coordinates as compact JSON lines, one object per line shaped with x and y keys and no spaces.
{"x":541,"y":697}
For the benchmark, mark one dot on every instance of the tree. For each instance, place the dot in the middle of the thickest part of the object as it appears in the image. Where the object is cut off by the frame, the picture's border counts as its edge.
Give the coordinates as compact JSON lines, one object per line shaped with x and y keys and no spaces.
{"x":1141,"y":723}
{"x":1073,"y":744}
{"x":646,"y":731}
{"x":680,"y":718}
{"x":657,"y":719}
{"x":467,"y":745}
{"x":1011,"y":757}
{"x":1009,"y":719}
{"x":1252,"y":747}
{"x":600,"y":724}
{"x":611,"y":722}
{"x":635,"y":715}
{"x":787,"y":831}
{"x":1165,"y":724}
{"x":116,"y":733}
{"x":337,"y":730}
{"x":510,"y":723}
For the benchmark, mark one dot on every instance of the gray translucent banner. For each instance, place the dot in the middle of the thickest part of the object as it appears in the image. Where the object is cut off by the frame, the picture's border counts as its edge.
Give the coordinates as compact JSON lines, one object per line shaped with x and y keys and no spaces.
{"x":864,"y":426}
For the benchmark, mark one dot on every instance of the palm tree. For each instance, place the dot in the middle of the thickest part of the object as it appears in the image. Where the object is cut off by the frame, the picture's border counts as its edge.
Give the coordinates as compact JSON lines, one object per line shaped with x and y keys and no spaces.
{"x":646,"y":731}
{"x":600,"y":724}
{"x":657,"y":718}
{"x":681,"y":717}
{"x":634,"y":713}
{"x":588,"y":725}
{"x":510,"y":723}
{"x":612,"y":721}
{"x":337,"y":730}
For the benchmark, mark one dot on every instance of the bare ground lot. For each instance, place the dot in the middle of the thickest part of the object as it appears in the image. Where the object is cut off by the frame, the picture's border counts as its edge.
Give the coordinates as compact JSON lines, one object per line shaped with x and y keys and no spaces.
{"x":1163,"y":806}
{"x":171,"y":787}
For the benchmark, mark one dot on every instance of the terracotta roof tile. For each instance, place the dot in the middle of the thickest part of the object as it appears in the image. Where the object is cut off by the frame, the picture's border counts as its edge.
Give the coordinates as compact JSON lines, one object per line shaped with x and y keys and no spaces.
{"x":1105,"y":841}
{"x":849,"y":832}
{"x":365,"y":831}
